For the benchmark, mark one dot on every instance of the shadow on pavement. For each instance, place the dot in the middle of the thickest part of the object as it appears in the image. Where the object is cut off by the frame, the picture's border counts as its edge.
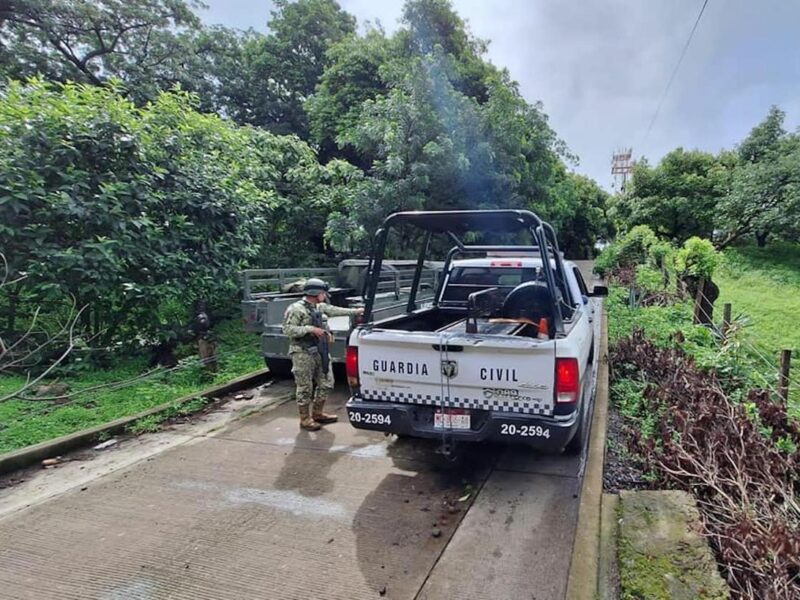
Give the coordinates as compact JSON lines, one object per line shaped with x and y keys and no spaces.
{"x":405,"y":522}
{"x":309,"y":477}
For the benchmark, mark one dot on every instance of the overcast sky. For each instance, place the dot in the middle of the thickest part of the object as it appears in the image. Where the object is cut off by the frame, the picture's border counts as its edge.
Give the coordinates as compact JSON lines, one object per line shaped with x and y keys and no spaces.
{"x":601,"y":66}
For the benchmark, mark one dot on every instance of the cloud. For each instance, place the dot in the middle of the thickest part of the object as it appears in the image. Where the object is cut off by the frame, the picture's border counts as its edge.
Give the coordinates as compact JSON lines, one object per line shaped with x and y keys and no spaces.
{"x":600,"y":66}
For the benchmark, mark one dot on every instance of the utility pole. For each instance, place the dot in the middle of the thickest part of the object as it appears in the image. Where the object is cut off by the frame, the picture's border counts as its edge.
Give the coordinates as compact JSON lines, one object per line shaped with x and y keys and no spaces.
{"x":621,"y":167}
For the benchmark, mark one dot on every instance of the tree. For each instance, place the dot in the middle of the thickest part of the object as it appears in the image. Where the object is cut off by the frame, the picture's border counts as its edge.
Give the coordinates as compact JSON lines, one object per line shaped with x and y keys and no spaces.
{"x":434,"y":26}
{"x":148,"y":44}
{"x":764,"y":138}
{"x":283,"y":68}
{"x":579,"y":214}
{"x":353,"y":75}
{"x":140,"y":212}
{"x":432,"y":124}
{"x":763,"y":196}
{"x":677,"y":198}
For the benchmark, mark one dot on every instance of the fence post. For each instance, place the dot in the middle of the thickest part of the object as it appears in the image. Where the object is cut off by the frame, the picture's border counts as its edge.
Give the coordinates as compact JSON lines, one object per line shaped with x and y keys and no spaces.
{"x":698,"y":302}
{"x":726,"y":318}
{"x":783,"y":385}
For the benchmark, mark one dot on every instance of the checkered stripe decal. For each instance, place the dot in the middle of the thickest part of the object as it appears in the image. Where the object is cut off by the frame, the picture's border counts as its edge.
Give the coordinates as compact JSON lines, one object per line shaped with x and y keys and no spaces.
{"x":503,"y":405}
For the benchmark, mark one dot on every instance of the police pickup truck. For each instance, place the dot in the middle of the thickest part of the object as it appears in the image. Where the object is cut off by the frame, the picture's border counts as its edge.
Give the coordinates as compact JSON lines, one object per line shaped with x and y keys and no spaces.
{"x":505,"y":350}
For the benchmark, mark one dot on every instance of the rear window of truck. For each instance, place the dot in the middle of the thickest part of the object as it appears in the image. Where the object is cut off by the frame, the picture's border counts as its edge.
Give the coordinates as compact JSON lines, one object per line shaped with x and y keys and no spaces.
{"x":493,"y":276}
{"x":466,"y":280}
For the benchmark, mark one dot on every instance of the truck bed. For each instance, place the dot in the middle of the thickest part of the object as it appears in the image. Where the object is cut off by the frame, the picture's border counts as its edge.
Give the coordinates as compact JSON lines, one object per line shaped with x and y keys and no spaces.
{"x":444,"y":320}
{"x":485,"y":327}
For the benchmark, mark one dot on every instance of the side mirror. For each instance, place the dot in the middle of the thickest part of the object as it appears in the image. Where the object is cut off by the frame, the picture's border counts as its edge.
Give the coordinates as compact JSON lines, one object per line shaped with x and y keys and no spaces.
{"x":599,"y":291}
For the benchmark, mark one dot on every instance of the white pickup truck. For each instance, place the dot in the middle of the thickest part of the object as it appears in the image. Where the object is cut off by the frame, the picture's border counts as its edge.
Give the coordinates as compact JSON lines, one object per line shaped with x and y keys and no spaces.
{"x":504,"y":352}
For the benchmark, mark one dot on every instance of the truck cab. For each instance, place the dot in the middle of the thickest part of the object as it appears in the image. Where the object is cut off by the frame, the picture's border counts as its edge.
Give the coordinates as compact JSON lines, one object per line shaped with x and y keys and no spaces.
{"x":504,"y":352}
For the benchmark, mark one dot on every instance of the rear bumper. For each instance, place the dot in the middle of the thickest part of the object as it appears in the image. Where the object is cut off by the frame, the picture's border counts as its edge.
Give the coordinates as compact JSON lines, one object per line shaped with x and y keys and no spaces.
{"x":547,"y":434}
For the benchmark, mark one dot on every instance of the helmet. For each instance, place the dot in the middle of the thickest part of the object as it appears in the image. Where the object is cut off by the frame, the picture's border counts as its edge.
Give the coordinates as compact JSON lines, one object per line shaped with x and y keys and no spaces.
{"x":313,"y":287}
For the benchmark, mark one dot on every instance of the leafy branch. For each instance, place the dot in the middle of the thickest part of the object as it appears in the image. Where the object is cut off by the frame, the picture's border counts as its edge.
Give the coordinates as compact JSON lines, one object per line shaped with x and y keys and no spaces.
{"x":25,"y":350}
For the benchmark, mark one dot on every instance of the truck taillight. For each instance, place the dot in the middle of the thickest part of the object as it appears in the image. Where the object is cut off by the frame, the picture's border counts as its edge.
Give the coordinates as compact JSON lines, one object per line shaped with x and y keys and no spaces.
{"x":567,"y":380}
{"x":351,"y":366}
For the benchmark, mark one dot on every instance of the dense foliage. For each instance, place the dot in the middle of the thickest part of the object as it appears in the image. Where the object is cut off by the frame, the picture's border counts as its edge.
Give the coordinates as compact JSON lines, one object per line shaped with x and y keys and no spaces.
{"x":152,"y":45}
{"x":717,"y":430}
{"x":435,"y":126}
{"x":137,"y":212}
{"x":148,"y":44}
{"x":677,"y":198}
{"x":121,"y":193}
{"x":737,"y":458}
{"x":273,"y":75}
{"x":753,"y":191}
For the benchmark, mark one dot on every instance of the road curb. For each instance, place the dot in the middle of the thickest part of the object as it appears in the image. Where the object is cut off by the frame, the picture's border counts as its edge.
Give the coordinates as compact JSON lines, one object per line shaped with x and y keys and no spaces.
{"x":584,"y":566}
{"x":24,"y":457}
{"x":608,"y":571}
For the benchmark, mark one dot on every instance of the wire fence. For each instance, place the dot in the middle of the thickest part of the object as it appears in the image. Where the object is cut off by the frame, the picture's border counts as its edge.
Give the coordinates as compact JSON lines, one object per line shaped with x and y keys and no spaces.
{"x":749,"y":346}
{"x":183,"y":365}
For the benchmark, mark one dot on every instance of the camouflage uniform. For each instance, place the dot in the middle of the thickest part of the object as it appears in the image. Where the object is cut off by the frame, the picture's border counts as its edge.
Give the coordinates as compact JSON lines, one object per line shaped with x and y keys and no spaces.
{"x":307,"y":364}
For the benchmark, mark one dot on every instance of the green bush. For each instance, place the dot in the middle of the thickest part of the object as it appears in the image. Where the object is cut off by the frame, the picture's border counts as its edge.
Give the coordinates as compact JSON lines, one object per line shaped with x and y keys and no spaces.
{"x":648,"y":279}
{"x":137,"y":212}
{"x":628,"y":250}
{"x":697,"y":258}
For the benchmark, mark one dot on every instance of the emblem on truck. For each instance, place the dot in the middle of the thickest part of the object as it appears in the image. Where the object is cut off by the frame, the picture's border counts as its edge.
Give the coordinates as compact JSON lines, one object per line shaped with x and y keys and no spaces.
{"x":449,"y":368}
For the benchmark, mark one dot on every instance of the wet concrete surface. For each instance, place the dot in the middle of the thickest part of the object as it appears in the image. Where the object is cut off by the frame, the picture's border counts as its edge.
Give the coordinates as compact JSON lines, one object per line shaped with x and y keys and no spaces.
{"x":516,"y":540}
{"x":261,"y":509}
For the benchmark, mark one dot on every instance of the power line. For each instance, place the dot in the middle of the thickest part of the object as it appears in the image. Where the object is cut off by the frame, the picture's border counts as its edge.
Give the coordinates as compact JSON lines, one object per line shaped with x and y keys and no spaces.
{"x":674,"y":72}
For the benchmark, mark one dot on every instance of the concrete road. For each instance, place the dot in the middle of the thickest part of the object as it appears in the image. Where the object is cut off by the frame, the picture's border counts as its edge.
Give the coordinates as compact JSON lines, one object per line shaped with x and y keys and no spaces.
{"x":264,"y":510}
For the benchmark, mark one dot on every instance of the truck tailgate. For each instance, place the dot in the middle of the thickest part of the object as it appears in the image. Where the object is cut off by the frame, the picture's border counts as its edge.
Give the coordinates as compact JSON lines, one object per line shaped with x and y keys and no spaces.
{"x":455,"y":370}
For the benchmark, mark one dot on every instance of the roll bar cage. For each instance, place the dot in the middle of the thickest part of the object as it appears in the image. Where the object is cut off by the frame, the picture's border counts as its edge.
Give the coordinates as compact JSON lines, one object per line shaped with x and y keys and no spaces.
{"x":454,"y":224}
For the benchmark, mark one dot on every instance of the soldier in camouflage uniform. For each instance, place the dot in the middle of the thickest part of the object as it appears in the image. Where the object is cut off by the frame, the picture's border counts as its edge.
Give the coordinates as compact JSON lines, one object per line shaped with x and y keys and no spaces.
{"x":305,"y":326}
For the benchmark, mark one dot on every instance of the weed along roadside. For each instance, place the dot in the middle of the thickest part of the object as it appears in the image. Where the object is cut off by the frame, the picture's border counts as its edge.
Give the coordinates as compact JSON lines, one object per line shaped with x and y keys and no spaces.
{"x":149,"y":420}
{"x":92,"y":399}
{"x":695,"y":411}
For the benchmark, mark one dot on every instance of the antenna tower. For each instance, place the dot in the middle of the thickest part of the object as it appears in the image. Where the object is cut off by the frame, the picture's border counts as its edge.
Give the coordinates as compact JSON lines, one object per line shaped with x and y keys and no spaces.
{"x":621,"y":167}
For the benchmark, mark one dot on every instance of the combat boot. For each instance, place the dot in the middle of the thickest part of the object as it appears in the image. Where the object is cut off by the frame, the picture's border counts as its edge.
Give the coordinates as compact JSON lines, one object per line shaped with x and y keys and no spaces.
{"x":321,"y":417}
{"x":307,"y":422}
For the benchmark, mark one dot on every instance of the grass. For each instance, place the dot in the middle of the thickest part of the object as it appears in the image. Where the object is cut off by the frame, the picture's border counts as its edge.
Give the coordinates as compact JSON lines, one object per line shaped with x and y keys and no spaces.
{"x":662,"y":324}
{"x":763,"y":285}
{"x":27,"y":422}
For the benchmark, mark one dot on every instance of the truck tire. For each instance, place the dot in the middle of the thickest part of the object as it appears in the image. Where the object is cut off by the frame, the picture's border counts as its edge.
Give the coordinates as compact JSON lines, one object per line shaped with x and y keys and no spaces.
{"x":279,"y":367}
{"x":339,"y":372}
{"x":575,"y":445}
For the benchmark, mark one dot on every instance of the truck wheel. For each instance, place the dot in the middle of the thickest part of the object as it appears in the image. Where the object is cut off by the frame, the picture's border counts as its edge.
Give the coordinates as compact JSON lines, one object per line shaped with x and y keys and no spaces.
{"x":575,"y":445}
{"x":339,"y":372}
{"x":279,"y":367}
